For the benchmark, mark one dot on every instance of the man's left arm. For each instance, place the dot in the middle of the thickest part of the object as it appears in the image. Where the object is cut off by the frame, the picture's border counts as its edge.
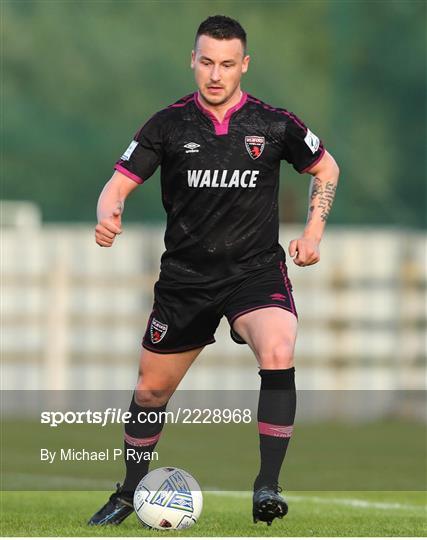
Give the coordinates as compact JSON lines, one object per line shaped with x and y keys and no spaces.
{"x":305,"y":250}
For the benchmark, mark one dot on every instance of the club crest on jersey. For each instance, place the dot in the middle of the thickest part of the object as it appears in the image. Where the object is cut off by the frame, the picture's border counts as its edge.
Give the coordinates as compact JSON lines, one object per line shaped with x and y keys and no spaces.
{"x":157,"y":330}
{"x":254,"y":145}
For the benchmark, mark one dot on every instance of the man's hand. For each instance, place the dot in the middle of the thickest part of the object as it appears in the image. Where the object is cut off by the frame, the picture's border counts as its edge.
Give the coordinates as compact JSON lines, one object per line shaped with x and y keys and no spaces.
{"x":108,"y":228}
{"x":305,"y":251}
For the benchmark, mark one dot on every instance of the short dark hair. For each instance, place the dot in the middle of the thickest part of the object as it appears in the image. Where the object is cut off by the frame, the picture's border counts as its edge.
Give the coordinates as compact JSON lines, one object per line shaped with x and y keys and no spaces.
{"x":222,"y":27}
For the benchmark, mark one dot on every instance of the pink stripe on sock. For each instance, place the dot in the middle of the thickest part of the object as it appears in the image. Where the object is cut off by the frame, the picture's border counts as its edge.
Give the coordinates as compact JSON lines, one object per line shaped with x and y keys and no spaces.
{"x":285,"y":432}
{"x":148,"y":441}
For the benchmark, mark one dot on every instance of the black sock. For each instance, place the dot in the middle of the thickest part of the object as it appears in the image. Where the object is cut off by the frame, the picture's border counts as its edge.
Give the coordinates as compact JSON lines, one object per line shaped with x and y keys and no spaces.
{"x":276,"y":413}
{"x":140,"y":436}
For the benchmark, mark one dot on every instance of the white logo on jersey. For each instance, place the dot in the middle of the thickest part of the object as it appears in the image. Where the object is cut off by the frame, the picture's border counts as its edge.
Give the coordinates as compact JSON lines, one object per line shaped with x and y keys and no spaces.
{"x":222,"y":179}
{"x":312,"y":141}
{"x":129,"y":151}
{"x":192,"y":147}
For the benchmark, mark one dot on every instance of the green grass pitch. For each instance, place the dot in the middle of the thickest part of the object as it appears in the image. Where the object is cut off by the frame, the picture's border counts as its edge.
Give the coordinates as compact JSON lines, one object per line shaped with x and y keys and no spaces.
{"x":56,"y":513}
{"x":385,"y":473}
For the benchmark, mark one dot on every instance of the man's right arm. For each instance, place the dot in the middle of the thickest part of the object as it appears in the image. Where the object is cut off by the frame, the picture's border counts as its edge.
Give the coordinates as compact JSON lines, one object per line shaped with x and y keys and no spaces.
{"x":110,"y":208}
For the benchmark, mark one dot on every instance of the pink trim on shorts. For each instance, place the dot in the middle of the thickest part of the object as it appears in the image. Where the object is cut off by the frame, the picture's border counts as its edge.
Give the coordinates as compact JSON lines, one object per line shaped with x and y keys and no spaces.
{"x":286,"y":284}
{"x":278,"y":296}
{"x":127,"y":173}
{"x":147,"y":441}
{"x":255,"y":308}
{"x":179,"y":349}
{"x":274,"y":430}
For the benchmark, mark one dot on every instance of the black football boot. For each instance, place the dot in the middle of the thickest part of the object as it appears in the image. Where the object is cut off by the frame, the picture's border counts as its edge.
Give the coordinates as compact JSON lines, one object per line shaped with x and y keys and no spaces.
{"x":268,"y":504}
{"x":118,"y":507}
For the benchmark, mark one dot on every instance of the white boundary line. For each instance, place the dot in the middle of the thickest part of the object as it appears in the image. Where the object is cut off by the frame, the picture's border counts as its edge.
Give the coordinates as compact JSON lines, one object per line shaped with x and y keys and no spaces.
{"x":357,"y":503}
{"x":46,"y":481}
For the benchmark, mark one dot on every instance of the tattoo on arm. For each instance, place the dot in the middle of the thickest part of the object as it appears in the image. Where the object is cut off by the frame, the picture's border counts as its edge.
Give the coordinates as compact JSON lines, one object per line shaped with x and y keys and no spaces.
{"x":321,"y":196}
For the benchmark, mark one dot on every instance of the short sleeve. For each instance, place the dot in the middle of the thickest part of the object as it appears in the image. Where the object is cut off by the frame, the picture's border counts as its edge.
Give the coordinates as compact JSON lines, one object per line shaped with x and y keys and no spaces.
{"x":144,"y":153}
{"x":301,"y":148}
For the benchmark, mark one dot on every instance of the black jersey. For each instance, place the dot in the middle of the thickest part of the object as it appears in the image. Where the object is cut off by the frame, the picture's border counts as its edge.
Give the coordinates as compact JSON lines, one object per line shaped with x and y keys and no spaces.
{"x":220,"y":183}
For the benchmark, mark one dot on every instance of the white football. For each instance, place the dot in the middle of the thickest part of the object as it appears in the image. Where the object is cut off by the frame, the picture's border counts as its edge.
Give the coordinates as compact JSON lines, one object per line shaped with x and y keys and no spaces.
{"x":168,"y":498}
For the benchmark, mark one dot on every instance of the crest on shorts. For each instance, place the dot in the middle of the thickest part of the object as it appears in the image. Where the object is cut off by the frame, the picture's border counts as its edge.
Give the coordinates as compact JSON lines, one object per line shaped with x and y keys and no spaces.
{"x":157,"y":330}
{"x":254,"y":145}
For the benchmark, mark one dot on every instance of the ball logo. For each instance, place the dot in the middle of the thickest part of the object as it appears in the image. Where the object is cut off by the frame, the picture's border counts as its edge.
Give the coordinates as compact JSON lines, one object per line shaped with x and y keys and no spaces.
{"x":174,"y":493}
{"x":157,"y":330}
{"x":168,"y":499}
{"x":182,"y":501}
{"x":162,"y":497}
{"x":254,"y":145}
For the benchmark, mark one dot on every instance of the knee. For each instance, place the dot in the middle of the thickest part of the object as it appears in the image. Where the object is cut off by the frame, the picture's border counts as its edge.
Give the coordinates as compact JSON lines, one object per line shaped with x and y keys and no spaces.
{"x":277,"y":356}
{"x":147,"y":397}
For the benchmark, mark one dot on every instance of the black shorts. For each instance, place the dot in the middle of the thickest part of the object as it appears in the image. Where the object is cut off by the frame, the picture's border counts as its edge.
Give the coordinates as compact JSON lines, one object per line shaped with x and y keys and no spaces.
{"x":186,"y":317}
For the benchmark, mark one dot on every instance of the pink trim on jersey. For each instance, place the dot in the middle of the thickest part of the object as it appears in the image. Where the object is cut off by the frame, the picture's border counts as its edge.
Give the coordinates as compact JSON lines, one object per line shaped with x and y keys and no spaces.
{"x":322,"y":153}
{"x":127,"y":173}
{"x":147,"y":441}
{"x":297,"y":121}
{"x":284,"y":432}
{"x":292,"y":116}
{"x":183,"y":104}
{"x":221,"y":128}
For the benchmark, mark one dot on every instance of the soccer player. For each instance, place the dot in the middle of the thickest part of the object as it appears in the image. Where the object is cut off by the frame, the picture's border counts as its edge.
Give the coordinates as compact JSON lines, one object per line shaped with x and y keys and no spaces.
{"x":219,"y":150}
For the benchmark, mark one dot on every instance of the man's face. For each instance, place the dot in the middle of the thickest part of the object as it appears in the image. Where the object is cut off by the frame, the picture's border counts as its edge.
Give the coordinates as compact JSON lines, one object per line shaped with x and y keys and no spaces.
{"x":218,"y":67}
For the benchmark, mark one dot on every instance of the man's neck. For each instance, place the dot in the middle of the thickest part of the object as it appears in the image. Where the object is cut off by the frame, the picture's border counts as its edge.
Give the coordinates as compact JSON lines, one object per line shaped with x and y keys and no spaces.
{"x":219,"y":111}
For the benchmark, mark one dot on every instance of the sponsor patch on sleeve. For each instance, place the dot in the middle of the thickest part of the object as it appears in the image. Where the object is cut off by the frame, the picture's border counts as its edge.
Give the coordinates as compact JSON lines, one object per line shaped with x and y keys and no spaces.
{"x":129,"y":151}
{"x":312,"y":141}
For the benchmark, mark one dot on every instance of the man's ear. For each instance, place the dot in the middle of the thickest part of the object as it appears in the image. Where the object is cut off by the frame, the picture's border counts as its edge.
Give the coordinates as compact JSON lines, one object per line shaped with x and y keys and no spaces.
{"x":245,"y":63}
{"x":193,"y":59}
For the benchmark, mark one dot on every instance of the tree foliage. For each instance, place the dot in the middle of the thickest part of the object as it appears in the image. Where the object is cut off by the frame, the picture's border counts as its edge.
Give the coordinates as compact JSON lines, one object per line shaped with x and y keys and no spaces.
{"x":80,"y":77}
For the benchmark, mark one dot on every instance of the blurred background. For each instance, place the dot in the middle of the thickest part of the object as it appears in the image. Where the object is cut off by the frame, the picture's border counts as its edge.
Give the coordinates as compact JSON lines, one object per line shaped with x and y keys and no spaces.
{"x":78,"y":80}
